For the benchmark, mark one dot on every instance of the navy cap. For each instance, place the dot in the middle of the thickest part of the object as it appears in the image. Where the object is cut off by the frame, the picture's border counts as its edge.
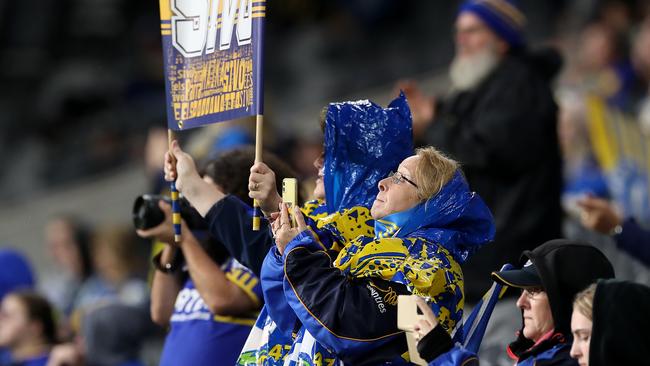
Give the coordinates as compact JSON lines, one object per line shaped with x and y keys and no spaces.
{"x":526,"y":277}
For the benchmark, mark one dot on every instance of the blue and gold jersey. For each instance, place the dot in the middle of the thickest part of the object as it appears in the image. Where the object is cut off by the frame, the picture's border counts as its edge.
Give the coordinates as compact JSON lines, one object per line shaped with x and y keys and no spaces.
{"x":198,"y":337}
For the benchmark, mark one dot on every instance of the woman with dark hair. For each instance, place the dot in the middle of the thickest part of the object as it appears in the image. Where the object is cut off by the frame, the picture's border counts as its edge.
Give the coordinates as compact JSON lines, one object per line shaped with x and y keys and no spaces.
{"x":225,"y":171}
{"x":27,"y":329}
{"x":212,"y":297}
{"x":68,"y":241}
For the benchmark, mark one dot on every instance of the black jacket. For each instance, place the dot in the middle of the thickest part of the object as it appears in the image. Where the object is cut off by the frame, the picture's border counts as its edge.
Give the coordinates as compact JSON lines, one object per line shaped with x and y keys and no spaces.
{"x":620,"y":324}
{"x":505,"y":137}
{"x":229,"y":221}
{"x":565,"y":267}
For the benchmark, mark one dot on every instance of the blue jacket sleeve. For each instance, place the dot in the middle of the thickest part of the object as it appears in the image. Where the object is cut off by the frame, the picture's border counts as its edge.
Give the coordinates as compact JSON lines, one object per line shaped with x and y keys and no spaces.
{"x":272,"y":288}
{"x":634,"y":240}
{"x":229,"y":221}
{"x":347,"y":315}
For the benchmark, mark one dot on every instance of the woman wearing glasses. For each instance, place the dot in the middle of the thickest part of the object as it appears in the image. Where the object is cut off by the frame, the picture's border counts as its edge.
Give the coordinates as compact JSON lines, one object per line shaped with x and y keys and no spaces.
{"x":423,"y":224}
{"x":551,"y":276}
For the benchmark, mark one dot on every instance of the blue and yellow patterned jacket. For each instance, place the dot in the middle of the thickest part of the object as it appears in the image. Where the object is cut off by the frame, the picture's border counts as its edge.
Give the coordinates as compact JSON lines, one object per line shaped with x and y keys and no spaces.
{"x":363,"y":143}
{"x":341,"y":306}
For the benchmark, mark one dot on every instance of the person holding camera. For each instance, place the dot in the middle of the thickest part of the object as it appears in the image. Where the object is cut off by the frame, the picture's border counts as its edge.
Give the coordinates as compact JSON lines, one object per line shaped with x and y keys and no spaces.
{"x":209,"y":300}
{"x":225,"y":204}
{"x":228,"y":219}
{"x":346,"y":162}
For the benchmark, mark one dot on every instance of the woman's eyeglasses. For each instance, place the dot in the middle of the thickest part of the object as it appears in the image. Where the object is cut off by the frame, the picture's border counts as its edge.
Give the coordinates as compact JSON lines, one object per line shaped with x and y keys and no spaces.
{"x":398,"y":178}
{"x":531,"y":293}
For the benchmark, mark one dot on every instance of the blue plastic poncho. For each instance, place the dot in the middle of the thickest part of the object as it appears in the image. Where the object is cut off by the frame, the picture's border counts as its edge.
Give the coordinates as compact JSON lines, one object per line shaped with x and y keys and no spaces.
{"x":363,"y":143}
{"x":463,"y":223}
{"x":358,"y":153}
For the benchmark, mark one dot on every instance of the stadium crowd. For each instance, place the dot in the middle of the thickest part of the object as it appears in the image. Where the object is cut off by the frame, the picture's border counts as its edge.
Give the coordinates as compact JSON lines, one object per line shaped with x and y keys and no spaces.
{"x":533,"y":156}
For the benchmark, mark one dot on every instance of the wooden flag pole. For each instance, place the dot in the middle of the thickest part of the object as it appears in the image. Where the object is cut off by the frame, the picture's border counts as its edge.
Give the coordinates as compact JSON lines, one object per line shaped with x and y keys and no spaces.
{"x":257,"y":212}
{"x":176,"y":207}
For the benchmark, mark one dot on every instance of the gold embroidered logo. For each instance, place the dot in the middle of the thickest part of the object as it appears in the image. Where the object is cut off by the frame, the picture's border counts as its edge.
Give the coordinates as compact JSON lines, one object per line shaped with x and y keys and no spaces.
{"x":390,"y":296}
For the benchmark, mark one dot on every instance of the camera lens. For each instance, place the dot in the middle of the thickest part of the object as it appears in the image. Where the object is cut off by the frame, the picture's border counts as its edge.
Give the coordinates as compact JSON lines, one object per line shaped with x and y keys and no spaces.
{"x":146,"y":213}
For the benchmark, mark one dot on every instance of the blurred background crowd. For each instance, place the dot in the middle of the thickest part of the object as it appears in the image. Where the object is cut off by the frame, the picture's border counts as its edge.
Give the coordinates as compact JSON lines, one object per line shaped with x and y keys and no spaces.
{"x":83,"y":128}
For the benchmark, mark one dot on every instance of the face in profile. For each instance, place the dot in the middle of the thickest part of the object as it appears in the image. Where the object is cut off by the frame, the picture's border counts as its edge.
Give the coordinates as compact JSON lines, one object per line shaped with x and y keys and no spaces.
{"x":14,"y":322}
{"x":319,"y":189}
{"x":581,"y":328}
{"x":398,"y":192}
{"x":536,"y":311}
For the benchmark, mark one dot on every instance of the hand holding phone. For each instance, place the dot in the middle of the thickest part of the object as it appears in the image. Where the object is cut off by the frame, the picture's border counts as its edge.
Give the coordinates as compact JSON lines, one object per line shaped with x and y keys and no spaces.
{"x":408,"y":315}
{"x":290,"y":196}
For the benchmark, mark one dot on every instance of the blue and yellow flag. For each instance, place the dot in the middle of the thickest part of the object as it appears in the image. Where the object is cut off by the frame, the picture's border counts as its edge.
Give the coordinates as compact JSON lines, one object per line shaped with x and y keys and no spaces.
{"x":212,"y":51}
{"x":622,"y":150}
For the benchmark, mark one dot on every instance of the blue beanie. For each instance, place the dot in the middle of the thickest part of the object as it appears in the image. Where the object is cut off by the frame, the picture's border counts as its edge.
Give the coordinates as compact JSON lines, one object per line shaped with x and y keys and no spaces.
{"x":504,"y":18}
{"x":15,"y":272}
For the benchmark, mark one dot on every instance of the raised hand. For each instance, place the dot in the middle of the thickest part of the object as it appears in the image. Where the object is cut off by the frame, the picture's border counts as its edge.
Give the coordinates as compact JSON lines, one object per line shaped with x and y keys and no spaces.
{"x":179,"y":166}
{"x":261,"y":186}
{"x":599,"y":215}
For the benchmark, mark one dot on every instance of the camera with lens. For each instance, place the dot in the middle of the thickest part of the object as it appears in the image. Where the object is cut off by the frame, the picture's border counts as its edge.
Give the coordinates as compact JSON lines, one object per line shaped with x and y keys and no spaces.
{"x":147,"y":214}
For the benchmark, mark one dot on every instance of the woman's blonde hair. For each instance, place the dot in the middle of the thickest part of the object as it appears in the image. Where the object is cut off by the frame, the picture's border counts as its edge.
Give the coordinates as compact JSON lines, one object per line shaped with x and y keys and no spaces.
{"x":584,"y":302}
{"x":433,"y":171}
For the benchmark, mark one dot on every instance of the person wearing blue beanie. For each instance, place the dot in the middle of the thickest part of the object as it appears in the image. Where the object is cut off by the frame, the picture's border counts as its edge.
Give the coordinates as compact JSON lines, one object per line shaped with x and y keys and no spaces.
{"x":16,"y":272}
{"x":486,"y":32}
{"x":499,"y":119}
{"x":501,"y":17}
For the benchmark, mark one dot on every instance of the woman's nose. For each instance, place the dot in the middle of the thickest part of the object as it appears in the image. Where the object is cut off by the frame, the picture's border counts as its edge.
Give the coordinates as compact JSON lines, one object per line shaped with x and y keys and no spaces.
{"x":319,"y":162}
{"x":575,"y":350}
{"x":522,"y":301}
{"x":383,"y":185}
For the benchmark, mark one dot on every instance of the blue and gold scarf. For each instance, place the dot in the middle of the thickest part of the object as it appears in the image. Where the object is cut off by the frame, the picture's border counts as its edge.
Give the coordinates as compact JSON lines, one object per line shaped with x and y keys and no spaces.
{"x":422,"y":247}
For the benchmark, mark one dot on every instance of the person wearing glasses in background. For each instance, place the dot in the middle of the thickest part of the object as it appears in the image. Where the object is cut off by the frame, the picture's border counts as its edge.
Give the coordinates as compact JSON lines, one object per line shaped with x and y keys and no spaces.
{"x":550,"y":277}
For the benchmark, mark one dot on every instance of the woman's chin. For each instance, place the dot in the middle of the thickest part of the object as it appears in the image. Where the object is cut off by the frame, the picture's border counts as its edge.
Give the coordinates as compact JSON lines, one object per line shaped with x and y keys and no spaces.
{"x":376,"y":212}
{"x":319,"y":191}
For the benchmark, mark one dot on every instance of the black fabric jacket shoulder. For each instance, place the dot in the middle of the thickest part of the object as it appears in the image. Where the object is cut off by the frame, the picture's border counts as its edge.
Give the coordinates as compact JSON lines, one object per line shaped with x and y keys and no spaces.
{"x":620,"y":324}
{"x":504,"y":134}
{"x":566,"y":267}
{"x":229,"y":223}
